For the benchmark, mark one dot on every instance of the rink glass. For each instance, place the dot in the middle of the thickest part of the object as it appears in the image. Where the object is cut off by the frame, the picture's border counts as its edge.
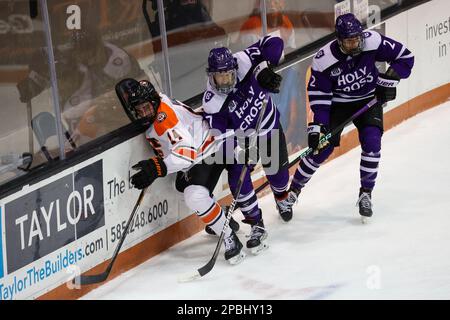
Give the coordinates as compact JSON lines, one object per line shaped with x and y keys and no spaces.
{"x":115,"y":40}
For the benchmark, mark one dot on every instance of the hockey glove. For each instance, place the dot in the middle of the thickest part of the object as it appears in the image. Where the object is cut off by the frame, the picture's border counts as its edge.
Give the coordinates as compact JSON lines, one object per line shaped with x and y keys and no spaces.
{"x":149,"y":170}
{"x":246,"y":151}
{"x":316,"y":132}
{"x":386,"y":86}
{"x":267,"y":78}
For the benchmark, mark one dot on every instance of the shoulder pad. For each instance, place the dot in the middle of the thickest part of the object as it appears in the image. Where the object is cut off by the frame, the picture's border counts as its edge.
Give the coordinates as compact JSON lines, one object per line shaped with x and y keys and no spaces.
{"x":244,"y":64}
{"x":165,"y":119}
{"x":165,"y":98}
{"x":212,"y":102}
{"x":372,"y":40}
{"x":324,"y":59}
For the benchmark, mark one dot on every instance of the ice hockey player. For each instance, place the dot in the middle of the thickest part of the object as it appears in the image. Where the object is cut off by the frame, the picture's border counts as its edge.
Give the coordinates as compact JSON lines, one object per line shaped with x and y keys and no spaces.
{"x":236,"y":88}
{"x":344,"y":78}
{"x":181,"y":139}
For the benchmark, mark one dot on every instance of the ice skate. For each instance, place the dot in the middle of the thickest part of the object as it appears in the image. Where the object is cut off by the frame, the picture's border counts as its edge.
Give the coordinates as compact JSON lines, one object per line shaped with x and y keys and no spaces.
{"x":233,"y":249}
{"x":258,"y":235}
{"x":365,"y":205}
{"x":284,"y":206}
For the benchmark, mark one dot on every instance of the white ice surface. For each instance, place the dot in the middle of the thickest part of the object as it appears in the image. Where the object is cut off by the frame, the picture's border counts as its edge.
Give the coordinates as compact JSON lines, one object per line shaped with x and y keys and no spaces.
{"x":325,"y":252}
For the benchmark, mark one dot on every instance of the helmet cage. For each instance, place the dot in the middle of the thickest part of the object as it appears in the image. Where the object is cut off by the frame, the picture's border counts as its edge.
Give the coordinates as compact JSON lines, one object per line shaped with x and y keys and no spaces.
{"x":348,"y":27}
{"x":224,"y":88}
{"x":355,"y":51}
{"x":221,"y":61}
{"x":139,"y":100}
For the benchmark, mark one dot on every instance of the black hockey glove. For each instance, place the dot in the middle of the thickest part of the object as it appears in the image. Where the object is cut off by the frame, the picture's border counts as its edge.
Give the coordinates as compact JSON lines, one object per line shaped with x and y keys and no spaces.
{"x":149,"y":171}
{"x":386,"y":86}
{"x":267,"y":78}
{"x":315,"y":132}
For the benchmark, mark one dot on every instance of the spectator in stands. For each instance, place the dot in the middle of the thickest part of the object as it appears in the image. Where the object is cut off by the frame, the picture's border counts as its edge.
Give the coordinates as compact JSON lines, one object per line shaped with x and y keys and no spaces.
{"x":277,"y":22}
{"x":182,"y":13}
{"x":88,"y":69}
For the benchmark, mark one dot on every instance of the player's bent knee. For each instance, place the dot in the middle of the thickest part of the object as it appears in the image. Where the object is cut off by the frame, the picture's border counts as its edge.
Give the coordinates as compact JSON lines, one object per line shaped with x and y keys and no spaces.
{"x":371,"y":140}
{"x":197,"y":198}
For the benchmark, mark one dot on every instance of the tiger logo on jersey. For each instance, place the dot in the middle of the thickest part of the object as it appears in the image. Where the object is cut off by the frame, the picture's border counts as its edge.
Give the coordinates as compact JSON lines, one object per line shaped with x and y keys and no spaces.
{"x":161,"y":117}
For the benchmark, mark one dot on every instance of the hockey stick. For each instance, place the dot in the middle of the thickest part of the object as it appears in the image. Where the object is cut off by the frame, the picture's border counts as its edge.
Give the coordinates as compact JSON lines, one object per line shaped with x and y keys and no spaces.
{"x":96,"y":278}
{"x":30,"y":129}
{"x":120,"y":89}
{"x":327,"y":137}
{"x":210,"y":265}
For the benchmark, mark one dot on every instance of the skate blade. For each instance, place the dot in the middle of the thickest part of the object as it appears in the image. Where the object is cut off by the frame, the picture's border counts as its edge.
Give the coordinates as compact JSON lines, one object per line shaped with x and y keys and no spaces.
{"x":282,"y":220}
{"x":262,"y":247}
{"x":238,"y":258}
{"x":365,"y":220}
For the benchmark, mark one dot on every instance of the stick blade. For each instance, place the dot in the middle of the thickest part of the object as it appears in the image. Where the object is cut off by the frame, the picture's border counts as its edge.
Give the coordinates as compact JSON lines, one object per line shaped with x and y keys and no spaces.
{"x":85,"y":280}
{"x":189,"y":277}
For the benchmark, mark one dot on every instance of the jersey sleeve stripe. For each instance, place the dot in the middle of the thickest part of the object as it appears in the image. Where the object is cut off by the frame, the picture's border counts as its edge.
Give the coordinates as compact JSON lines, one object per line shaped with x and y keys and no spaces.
{"x":187,"y":152}
{"x":410,"y":55}
{"x":188,"y":159}
{"x":323,"y":102}
{"x":344,"y":100}
{"x":401,"y":52}
{"x":209,"y":141}
{"x":319,"y":93}
{"x":341,"y":95}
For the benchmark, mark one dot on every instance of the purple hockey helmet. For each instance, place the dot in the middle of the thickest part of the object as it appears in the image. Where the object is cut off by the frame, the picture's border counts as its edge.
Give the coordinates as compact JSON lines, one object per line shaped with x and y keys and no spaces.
{"x":349,"y":30}
{"x":221,"y":70}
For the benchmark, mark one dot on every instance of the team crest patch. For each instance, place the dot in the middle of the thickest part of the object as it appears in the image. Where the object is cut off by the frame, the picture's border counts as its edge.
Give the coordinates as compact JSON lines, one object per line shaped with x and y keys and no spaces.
{"x":161,"y":117}
{"x":320,"y":54}
{"x":232,"y":106}
{"x":335,"y":72}
{"x":367,"y":34}
{"x":208,"y":96}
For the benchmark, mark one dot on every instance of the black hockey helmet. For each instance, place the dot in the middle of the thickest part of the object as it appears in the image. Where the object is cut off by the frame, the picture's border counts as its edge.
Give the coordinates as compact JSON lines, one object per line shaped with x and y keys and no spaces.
{"x":139,"y":99}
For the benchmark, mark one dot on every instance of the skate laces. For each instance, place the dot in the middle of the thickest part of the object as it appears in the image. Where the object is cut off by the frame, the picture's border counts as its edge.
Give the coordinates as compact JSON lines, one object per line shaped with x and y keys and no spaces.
{"x":286,"y":204}
{"x":293,"y":196}
{"x":256,"y":232}
{"x":364,"y":200}
{"x":229,"y":242}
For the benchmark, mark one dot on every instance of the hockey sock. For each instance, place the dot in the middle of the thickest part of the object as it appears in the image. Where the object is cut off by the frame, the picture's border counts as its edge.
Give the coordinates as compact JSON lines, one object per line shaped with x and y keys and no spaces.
{"x":215,"y":219}
{"x":279,"y":182}
{"x":248,"y":203}
{"x":369,"y":169}
{"x":370,"y":139}
{"x":308,"y":166}
{"x":198,"y":199}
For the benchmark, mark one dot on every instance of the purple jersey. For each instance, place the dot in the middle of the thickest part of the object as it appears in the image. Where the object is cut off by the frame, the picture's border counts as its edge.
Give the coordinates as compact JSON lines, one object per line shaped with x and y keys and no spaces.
{"x":240,"y":109}
{"x":341,"y":78}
